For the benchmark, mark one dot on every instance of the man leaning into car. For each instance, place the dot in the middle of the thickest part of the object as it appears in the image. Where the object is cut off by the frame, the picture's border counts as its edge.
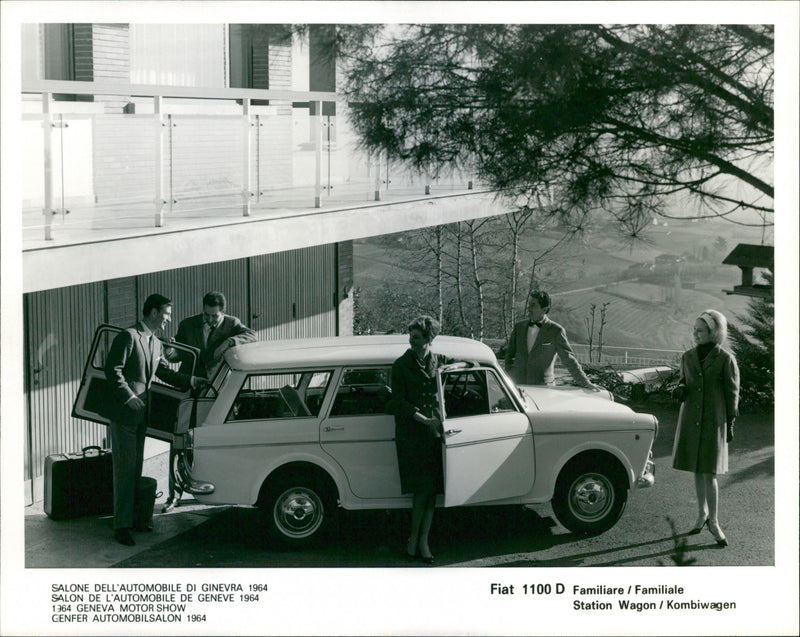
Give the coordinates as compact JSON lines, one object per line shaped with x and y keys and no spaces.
{"x":212,"y":332}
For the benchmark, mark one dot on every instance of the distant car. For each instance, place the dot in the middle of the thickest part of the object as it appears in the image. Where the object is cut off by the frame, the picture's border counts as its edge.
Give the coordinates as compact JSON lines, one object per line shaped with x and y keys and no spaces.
{"x":299,"y":427}
{"x":647,"y":379}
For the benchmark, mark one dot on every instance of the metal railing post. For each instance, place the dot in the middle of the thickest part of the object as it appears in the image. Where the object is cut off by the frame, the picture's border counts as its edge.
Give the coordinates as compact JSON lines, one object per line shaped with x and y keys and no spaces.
{"x":378,"y":176}
{"x":258,"y":126}
{"x":318,"y":155}
{"x":159,"y":126}
{"x":428,"y":181}
{"x":47,"y":129}
{"x":247,"y":190}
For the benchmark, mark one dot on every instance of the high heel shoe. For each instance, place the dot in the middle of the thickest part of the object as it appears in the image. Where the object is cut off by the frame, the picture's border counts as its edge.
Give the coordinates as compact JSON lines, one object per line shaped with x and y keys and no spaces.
{"x":719,"y":536}
{"x":696,"y":530}
{"x":427,"y":559}
{"x":410,"y":557}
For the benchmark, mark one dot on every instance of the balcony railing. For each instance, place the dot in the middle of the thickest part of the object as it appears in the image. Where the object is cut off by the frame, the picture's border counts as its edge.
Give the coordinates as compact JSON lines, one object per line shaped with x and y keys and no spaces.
{"x":191,"y":153}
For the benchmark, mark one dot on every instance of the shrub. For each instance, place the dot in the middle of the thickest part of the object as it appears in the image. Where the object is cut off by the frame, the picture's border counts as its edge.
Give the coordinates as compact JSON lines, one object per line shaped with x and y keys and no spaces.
{"x":754,"y":346}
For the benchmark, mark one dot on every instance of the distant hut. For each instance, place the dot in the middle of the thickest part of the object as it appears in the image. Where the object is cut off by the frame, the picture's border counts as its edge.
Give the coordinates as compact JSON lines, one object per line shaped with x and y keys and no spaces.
{"x":747,"y":257}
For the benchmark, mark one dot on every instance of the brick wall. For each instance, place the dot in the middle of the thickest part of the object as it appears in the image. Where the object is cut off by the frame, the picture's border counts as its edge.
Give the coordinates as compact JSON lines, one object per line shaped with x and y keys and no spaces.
{"x":102,"y":54}
{"x":112,"y":61}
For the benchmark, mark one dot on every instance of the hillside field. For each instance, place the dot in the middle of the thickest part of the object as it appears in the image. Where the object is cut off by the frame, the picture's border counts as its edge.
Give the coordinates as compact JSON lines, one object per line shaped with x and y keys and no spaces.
{"x":605,"y":268}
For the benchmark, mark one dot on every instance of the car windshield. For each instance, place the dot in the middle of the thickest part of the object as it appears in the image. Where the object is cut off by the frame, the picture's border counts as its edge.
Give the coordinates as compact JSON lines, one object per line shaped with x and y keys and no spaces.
{"x":523,"y":397}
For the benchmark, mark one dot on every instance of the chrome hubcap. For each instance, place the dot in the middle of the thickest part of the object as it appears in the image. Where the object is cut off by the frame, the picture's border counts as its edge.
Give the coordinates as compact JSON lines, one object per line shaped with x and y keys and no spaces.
{"x":591,"y":496}
{"x":298,"y":512}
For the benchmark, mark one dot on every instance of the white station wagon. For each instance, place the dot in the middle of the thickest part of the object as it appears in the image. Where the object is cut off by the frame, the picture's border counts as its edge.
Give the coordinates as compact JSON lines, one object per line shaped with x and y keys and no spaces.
{"x":299,"y":427}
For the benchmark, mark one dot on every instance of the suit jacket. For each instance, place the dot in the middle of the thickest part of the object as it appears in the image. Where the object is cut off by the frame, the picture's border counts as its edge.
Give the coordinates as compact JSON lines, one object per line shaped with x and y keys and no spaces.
{"x":712,"y":400}
{"x":131,"y":367}
{"x":190,"y":332}
{"x":536,"y":367}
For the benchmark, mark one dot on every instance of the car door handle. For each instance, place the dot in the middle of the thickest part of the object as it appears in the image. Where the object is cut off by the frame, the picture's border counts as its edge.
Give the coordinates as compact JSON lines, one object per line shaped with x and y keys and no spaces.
{"x":333,"y":429}
{"x":450,"y":432}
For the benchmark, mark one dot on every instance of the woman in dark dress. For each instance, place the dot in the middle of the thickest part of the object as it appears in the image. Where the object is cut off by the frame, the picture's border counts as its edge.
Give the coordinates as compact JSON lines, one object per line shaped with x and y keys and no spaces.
{"x":418,"y":430}
{"x":709,"y":390}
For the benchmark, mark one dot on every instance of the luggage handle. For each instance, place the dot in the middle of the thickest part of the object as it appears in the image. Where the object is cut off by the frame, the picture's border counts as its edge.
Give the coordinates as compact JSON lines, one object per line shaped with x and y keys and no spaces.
{"x":99,"y":451}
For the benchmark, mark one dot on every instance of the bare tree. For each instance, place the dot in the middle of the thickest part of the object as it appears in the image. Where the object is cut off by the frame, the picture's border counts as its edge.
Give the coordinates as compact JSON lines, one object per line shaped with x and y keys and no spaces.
{"x":589,"y":322}
{"x":600,"y":334}
{"x":473,"y":228}
{"x":516,"y":221}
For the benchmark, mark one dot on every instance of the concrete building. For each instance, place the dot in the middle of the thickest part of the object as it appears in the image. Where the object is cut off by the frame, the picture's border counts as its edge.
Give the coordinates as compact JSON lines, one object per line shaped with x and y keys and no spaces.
{"x":184,"y":158}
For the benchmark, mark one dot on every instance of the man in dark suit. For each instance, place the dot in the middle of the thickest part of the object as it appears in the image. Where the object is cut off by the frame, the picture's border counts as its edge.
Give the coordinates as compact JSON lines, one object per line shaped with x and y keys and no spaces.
{"x":212,"y":332}
{"x":134,"y":360}
{"x":533,"y":346}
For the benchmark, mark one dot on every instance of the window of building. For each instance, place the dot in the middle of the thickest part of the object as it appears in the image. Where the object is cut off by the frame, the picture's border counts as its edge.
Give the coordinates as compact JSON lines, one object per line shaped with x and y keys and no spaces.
{"x":178,"y":54}
{"x":59,"y":51}
{"x":249,"y":55}
{"x":363,"y":392}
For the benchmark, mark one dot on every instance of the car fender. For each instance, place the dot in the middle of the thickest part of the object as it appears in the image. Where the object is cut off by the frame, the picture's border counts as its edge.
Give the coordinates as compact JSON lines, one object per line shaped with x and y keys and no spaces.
{"x":594,"y":445}
{"x":329,"y":467}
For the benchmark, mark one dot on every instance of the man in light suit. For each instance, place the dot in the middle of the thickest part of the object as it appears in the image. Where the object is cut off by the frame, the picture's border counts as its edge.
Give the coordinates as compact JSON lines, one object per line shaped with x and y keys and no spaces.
{"x":212,"y":332}
{"x":134,"y":361}
{"x":533,"y":346}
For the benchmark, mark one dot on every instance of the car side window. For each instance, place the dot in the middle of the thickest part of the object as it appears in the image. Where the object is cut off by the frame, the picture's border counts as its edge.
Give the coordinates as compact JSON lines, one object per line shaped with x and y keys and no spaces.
{"x":271,"y":396}
{"x":363,"y":392}
{"x":474,"y":393}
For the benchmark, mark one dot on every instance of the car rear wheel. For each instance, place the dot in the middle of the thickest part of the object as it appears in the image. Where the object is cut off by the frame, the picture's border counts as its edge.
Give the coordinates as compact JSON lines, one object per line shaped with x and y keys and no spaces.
{"x":588,"y":498}
{"x":298,"y":510}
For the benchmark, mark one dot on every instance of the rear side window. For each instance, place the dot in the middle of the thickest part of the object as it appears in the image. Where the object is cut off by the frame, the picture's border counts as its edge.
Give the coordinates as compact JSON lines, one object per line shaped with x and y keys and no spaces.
{"x":363,"y":392}
{"x":270,"y":396}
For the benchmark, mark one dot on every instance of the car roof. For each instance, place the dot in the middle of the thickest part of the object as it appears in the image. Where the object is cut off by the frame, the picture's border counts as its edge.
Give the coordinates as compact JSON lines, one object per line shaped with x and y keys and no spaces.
{"x":347,"y":350}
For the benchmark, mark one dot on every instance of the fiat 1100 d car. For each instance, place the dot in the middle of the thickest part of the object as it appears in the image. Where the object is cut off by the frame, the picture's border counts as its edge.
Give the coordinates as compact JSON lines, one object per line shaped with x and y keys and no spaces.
{"x":301,"y":427}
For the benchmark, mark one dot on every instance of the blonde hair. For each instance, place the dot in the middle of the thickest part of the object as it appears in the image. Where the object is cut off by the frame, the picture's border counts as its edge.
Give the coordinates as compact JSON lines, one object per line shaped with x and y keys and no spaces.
{"x":717,"y":325}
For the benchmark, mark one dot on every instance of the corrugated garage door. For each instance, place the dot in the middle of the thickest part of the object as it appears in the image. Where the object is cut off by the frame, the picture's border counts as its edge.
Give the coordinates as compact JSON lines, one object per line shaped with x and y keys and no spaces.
{"x":292,"y":293}
{"x":186,"y":287}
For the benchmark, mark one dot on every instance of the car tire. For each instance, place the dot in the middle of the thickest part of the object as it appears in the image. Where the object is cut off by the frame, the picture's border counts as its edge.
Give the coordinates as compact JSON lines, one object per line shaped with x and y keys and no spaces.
{"x":298,"y":510}
{"x":588,"y":498}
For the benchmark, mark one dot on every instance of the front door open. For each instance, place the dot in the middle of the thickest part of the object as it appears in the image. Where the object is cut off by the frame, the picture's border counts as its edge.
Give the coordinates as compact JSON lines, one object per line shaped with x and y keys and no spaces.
{"x":488,"y":443}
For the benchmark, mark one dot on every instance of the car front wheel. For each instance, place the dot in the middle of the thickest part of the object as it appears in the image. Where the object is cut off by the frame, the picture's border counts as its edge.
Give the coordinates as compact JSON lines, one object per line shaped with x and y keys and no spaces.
{"x":588,"y":499}
{"x":298,"y":510}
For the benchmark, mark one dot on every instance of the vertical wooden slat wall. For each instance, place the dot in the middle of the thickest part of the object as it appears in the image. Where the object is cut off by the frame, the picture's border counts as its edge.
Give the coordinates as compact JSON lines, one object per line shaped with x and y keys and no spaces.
{"x":316,"y":309}
{"x":272,"y":289}
{"x":283,"y":295}
{"x":186,"y":287}
{"x":60,"y":324}
{"x":292,"y":293}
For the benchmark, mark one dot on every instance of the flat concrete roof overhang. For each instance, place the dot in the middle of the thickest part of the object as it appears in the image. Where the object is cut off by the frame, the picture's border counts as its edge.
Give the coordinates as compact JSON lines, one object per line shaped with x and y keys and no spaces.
{"x":98,"y":255}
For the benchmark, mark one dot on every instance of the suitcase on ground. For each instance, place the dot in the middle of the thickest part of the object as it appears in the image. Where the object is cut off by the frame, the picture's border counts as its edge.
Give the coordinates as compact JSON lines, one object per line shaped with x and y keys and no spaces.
{"x":78,"y":484}
{"x":144,"y":503}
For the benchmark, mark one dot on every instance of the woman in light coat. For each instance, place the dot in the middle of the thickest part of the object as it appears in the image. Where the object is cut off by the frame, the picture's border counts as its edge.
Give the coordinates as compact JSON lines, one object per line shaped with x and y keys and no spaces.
{"x":709,"y":390}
